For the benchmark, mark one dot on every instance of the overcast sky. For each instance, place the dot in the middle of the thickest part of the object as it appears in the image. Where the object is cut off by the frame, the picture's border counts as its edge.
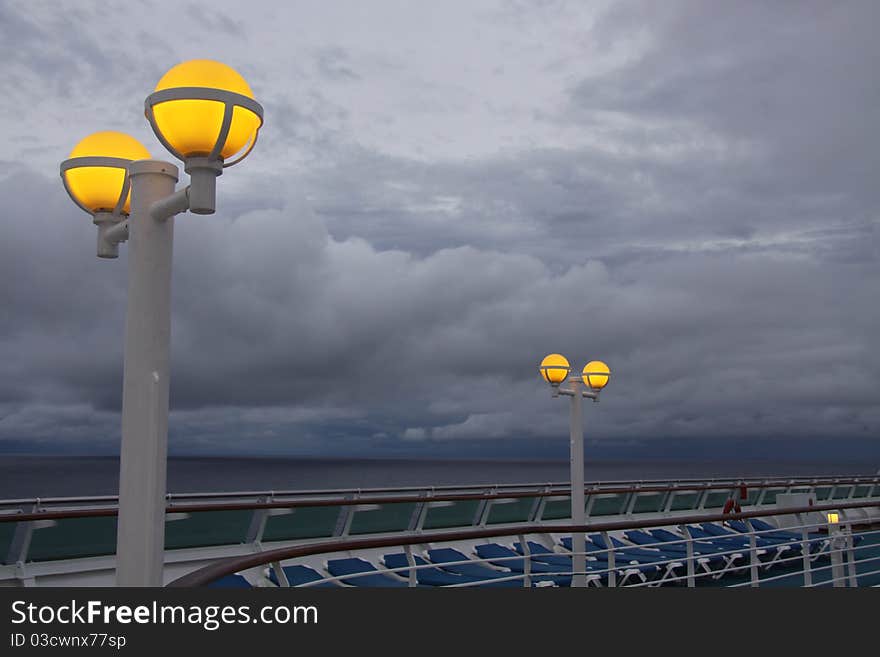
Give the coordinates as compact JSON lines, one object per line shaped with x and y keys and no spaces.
{"x":442,"y":194}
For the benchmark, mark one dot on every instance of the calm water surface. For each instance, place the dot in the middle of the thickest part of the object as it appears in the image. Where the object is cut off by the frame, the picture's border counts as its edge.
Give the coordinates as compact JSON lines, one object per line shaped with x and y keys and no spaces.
{"x":51,"y":476}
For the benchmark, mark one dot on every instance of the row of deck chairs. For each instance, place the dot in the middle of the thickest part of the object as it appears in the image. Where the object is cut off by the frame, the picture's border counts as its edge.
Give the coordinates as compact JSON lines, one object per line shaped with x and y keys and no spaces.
{"x":650,"y":557}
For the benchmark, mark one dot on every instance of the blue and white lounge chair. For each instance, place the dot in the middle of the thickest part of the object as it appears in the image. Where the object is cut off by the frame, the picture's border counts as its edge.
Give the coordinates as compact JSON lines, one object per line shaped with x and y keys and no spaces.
{"x":540,"y":553}
{"x":717,"y":534}
{"x":430,"y":576}
{"x":818,"y":543}
{"x":774,"y":546}
{"x":298,"y":575}
{"x":625,"y":568}
{"x":708,"y":561}
{"x":595,"y":567}
{"x":230,"y":582}
{"x":354,"y":566}
{"x":504,"y":557}
{"x":452,"y":560}
{"x":729,"y":555}
{"x":666,"y":562}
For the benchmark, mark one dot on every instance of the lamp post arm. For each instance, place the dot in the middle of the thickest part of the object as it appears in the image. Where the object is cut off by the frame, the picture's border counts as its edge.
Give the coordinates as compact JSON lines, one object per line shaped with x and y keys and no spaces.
{"x":117,"y":233}
{"x":570,"y":391}
{"x":170,"y":205}
{"x":112,"y":230}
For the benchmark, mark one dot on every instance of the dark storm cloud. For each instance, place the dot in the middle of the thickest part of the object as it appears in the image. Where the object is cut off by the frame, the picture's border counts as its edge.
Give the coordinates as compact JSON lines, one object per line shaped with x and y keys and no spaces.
{"x":713,"y":237}
{"x":796,"y":81}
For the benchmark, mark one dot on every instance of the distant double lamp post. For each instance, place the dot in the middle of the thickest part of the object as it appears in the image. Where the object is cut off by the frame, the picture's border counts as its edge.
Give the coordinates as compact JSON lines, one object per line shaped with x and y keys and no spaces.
{"x":589,"y":383}
{"x":204,"y":113}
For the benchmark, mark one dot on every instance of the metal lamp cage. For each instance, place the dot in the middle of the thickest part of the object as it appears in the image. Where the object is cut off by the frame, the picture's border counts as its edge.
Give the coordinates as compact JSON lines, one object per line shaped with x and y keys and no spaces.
{"x":589,"y":380}
{"x":98,"y":161}
{"x":545,"y":369}
{"x":230,"y":101}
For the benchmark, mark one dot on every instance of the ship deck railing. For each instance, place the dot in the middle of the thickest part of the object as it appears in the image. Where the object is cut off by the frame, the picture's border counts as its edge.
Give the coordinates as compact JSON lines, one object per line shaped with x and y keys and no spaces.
{"x":846,"y":563}
{"x":43,"y":540}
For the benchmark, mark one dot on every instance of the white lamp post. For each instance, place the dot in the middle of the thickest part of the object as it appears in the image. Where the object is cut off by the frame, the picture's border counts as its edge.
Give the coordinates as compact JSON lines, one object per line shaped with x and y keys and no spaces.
{"x":204,"y":113}
{"x":595,"y":376}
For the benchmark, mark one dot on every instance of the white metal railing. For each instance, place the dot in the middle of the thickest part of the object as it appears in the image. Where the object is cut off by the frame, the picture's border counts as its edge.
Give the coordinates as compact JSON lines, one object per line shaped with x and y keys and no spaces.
{"x":838,"y":548}
{"x":784,"y":481}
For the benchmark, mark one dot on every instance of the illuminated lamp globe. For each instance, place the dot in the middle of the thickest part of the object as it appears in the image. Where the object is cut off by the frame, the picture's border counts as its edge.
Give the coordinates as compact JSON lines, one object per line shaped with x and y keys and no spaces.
{"x":96,"y":172}
{"x":596,"y":374}
{"x":193,"y":102}
{"x":554,"y":368}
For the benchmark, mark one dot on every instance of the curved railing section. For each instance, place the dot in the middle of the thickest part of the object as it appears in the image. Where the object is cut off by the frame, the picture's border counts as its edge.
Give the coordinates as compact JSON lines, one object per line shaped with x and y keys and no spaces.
{"x":687,"y":558}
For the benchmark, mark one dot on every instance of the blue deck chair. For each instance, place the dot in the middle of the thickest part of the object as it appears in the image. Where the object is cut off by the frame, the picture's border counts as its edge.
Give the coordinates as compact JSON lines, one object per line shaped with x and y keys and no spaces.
{"x":594,"y":566}
{"x":707,"y":561}
{"x":734,"y":541}
{"x":297,"y":575}
{"x":626,"y":570}
{"x":425,"y":576}
{"x":729,"y":555}
{"x":774,"y":547}
{"x":230,"y":582}
{"x":545,"y":555}
{"x":504,"y":557}
{"x":600,"y":553}
{"x":819,"y":543}
{"x":444,"y":557}
{"x":667,"y":563}
{"x":760,"y":525}
{"x":354,"y":565}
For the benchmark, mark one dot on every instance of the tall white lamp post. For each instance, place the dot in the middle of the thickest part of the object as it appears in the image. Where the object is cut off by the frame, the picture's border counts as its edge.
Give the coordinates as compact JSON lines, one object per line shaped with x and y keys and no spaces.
{"x":595,"y":376}
{"x":205,"y":114}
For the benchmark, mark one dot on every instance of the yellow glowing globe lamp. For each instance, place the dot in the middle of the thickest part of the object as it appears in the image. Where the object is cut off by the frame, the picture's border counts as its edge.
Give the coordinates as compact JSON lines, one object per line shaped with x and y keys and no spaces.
{"x":596,"y":374}
{"x":96,"y":172}
{"x":204,"y":109}
{"x":554,"y":368}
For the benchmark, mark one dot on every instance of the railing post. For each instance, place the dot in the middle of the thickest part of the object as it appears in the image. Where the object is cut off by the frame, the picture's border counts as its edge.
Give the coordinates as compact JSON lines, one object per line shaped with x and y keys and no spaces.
{"x":280,"y":575}
{"x":258,"y":522}
{"x":413,"y":580}
{"x":527,"y":561}
{"x":753,"y":556}
{"x":851,"y":558}
{"x":483,"y":509}
{"x":691,"y":582}
{"x":837,"y":545}
{"x":667,"y":501}
{"x":343,"y":520}
{"x":806,"y":548}
{"x":417,"y":517}
{"x":612,"y":562}
{"x":538,"y":506}
{"x":700,"y":502}
{"x":21,"y":538}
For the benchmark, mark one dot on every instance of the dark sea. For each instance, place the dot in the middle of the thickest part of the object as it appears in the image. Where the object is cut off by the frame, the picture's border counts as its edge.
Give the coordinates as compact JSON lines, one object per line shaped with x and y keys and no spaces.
{"x":62,"y":476}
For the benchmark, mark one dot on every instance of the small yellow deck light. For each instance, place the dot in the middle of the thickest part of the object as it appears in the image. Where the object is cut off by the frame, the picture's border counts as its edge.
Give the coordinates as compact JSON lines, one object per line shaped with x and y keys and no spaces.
{"x":833,"y":518}
{"x":96,"y":172}
{"x":596,"y":374}
{"x":554,"y":368}
{"x":202,"y":108}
